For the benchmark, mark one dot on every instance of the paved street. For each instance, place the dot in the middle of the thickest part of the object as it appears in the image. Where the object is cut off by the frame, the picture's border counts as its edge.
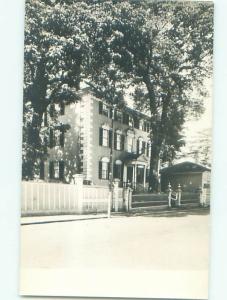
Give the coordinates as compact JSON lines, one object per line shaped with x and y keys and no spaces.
{"x":136,"y":242}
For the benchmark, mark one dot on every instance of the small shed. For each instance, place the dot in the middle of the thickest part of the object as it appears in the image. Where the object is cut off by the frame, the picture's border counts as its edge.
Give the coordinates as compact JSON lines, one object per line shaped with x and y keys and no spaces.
{"x":190,"y":176}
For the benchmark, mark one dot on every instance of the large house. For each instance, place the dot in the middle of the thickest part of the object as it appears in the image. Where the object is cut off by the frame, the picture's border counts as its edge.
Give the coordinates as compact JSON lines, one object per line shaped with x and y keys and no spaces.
{"x":87,"y":133}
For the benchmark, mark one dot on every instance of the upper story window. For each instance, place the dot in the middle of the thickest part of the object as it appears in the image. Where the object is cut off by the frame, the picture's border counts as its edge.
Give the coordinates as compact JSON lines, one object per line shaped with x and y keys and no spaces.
{"x":141,"y":124}
{"x":136,"y":122}
{"x":141,"y":146}
{"x":105,"y":136}
{"x":118,"y":116}
{"x":104,"y":109}
{"x":149,"y":149}
{"x":131,"y":121}
{"x":119,"y":140}
{"x":130,"y":143}
{"x":146,"y":126}
{"x":62,"y":108}
{"x":57,"y":137}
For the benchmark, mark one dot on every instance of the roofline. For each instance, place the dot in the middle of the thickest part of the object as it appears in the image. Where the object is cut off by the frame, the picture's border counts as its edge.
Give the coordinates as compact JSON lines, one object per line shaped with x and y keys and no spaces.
{"x":87,"y":90}
{"x":185,"y":162}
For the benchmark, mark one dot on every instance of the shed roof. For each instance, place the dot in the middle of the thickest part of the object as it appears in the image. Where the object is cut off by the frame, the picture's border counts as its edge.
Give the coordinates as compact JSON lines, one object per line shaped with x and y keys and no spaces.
{"x":184,"y":167}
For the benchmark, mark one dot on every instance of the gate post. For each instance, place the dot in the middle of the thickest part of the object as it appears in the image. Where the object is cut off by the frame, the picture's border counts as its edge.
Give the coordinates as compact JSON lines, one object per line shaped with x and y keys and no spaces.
{"x":129,"y":199}
{"x":179,"y":194}
{"x":115,"y":194}
{"x":78,"y":179}
{"x":169,"y":194}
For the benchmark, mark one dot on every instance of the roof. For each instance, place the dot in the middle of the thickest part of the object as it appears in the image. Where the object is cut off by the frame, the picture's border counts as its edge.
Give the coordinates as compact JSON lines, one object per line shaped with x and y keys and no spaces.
{"x":126,"y":108}
{"x":184,"y":167}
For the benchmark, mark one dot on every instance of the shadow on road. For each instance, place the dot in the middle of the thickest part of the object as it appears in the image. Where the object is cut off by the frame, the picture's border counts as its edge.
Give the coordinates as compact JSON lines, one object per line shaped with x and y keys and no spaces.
{"x":173,"y":213}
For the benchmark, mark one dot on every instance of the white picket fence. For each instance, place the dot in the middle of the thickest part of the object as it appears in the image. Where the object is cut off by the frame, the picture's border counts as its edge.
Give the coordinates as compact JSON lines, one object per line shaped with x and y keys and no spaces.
{"x":43,"y":198}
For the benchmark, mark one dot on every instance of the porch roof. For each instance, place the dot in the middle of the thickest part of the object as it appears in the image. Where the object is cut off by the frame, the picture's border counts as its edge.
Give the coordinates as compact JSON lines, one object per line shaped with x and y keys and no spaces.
{"x":133,"y":158}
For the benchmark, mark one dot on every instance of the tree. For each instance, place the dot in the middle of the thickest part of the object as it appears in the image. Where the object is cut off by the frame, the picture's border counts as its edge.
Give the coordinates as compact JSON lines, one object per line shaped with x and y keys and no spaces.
{"x":165,"y":50}
{"x":55,"y":47}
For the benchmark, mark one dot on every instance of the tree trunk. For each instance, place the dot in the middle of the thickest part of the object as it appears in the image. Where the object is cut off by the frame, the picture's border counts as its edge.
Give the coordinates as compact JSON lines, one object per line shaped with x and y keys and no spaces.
{"x":154,"y":168}
{"x":33,"y":147}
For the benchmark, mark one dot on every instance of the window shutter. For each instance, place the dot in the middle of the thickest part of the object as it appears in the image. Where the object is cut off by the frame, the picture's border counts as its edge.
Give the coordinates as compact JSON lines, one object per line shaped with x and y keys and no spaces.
{"x":61,"y":170}
{"x":100,"y":135}
{"x":138,"y":147}
{"x":100,"y":107}
{"x":41,"y":174}
{"x":45,"y":119}
{"x":111,"y":113}
{"x":122,"y":142}
{"x":143,"y":147}
{"x":62,"y":108}
{"x":115,"y":140}
{"x":62,"y":138}
{"x":52,"y":140}
{"x":110,"y":138}
{"x":125,"y":118}
{"x":136,"y":123}
{"x":100,"y":170}
{"x":51,"y":170}
{"x":52,"y":110}
{"x":108,"y":175}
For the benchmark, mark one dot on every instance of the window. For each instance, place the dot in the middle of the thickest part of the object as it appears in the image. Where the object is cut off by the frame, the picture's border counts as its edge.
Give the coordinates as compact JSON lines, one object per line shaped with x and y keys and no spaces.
{"x":131,"y":121}
{"x":62,"y":108}
{"x":105,"y":137}
{"x":136,"y":122}
{"x":129,"y":143}
{"x":103,"y":109}
{"x":56,"y":170}
{"x":141,"y":124}
{"x":149,"y":149}
{"x":146,"y":126}
{"x":57,"y":137}
{"x":104,"y":168}
{"x":141,"y":146}
{"x":118,"y":116}
{"x":125,"y":118}
{"x":119,"y":141}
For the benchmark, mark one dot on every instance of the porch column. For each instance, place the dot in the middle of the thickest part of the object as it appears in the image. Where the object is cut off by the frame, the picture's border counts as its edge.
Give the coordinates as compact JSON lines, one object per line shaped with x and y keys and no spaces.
{"x":144,"y":177}
{"x":125,"y":174}
{"x":135,"y":173}
{"x":133,"y":176}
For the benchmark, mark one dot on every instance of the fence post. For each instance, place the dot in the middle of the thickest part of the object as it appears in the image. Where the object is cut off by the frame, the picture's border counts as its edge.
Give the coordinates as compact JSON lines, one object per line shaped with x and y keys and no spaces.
{"x":179,"y":191}
{"x":129,"y":199}
{"x":115,"y":194}
{"x":78,"y":179}
{"x":169,"y":194}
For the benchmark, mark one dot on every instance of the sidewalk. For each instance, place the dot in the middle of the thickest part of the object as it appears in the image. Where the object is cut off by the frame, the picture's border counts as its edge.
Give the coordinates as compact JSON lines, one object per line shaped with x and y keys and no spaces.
{"x":59,"y":218}
{"x":173,"y":212}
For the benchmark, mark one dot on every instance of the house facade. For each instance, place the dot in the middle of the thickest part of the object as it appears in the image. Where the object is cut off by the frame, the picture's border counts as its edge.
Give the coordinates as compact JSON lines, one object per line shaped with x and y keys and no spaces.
{"x":90,"y":132}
